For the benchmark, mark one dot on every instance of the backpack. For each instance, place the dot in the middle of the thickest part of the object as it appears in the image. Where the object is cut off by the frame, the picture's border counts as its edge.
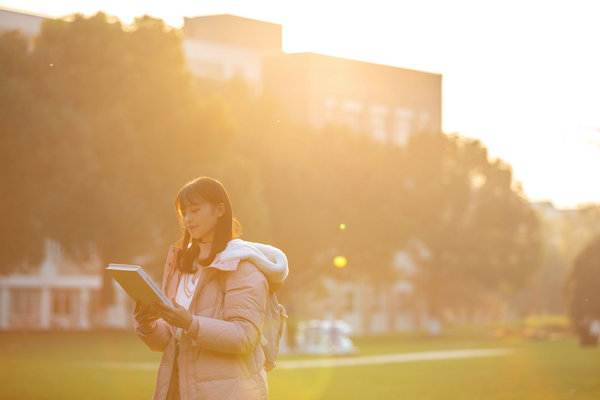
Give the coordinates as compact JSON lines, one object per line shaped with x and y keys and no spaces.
{"x":273,"y":327}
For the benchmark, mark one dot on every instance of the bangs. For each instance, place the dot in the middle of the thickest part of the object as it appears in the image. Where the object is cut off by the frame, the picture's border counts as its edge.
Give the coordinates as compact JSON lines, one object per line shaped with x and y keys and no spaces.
{"x":186,"y":197}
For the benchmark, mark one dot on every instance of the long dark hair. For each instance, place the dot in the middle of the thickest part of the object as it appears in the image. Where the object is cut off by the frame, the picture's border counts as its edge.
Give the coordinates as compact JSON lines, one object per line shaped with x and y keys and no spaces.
{"x":228,"y":228}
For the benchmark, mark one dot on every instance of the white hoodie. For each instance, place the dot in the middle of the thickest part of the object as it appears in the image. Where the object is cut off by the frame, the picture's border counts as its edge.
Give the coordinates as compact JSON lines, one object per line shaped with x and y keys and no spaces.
{"x":271,"y":261}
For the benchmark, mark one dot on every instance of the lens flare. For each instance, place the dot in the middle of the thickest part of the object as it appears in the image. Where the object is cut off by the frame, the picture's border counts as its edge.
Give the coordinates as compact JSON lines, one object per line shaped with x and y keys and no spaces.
{"x":340,"y":262}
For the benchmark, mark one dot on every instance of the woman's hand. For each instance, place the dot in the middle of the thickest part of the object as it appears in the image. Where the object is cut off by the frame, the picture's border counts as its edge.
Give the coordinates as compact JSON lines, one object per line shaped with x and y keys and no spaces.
{"x":177,"y":315}
{"x":144,"y":315}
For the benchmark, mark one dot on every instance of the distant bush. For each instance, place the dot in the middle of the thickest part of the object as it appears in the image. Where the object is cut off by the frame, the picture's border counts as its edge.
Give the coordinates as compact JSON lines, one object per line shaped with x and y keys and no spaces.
{"x":538,"y":327}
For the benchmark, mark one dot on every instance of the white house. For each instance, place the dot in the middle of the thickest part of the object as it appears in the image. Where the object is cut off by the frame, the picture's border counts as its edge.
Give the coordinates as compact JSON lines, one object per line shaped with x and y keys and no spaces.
{"x":60,"y":294}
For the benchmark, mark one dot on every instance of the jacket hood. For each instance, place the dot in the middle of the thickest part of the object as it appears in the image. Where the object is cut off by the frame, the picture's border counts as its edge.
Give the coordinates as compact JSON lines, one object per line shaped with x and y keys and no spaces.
{"x":271,"y":261}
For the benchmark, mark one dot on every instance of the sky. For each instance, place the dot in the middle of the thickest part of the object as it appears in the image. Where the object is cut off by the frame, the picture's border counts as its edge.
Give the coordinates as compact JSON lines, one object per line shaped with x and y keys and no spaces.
{"x":521,"y":75}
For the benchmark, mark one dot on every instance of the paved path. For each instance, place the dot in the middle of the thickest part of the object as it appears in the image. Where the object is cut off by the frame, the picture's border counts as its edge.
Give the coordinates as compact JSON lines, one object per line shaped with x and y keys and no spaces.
{"x":349,"y":361}
{"x":391,"y":358}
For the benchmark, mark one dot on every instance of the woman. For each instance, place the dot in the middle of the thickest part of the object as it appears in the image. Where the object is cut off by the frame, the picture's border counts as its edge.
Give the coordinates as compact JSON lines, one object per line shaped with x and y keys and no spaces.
{"x":219,"y":287}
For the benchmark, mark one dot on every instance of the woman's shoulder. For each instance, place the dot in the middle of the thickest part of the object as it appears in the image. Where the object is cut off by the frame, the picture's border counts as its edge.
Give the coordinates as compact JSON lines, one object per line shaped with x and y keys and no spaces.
{"x":248,"y":268}
{"x":247,"y":272}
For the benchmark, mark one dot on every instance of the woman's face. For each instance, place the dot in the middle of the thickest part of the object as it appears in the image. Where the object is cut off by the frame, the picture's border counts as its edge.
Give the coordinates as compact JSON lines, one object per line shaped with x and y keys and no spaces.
{"x":201,"y":218}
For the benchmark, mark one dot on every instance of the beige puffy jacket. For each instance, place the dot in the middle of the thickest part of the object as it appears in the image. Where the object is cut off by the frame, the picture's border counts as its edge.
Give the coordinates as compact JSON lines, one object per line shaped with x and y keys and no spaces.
{"x":219,"y":356}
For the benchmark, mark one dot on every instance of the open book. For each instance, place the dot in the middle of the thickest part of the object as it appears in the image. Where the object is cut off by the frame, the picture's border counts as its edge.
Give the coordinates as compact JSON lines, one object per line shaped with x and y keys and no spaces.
{"x":136,"y":282}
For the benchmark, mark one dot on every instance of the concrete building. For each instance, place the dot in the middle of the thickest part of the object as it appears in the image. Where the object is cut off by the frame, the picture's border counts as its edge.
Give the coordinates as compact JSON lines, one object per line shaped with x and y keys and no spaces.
{"x":29,"y":24}
{"x":389,"y":103}
{"x":224,"y":47}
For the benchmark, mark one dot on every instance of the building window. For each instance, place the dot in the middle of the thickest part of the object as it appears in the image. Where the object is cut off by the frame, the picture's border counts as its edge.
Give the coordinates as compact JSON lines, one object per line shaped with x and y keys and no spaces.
{"x":377,"y":301}
{"x":64,"y":301}
{"x":378,"y":115}
{"x":25,"y":308}
{"x":403,"y":120}
{"x":331,"y":110}
{"x":424,"y":123}
{"x":238,"y":71}
{"x":402,"y":301}
{"x":349,"y":302}
{"x":65,"y":307}
{"x":350,"y":114}
{"x":207,"y":69}
{"x":25,"y":301}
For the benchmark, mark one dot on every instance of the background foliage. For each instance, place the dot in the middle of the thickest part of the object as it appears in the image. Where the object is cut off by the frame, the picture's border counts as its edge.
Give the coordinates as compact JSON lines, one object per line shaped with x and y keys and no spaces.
{"x":102,"y":123}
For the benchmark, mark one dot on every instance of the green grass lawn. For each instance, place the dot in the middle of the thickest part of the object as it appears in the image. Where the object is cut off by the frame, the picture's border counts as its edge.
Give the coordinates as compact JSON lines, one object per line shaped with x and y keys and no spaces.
{"x":66,"y":366}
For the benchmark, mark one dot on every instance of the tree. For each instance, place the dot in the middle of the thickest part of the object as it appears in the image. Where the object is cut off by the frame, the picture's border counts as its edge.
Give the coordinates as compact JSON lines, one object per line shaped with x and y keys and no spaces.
{"x":17,"y":110}
{"x":441,"y":191}
{"x":564,"y":234}
{"x":578,"y":228}
{"x":478,"y":231}
{"x":101,"y":131}
{"x":582,"y":297}
{"x":313,"y":181}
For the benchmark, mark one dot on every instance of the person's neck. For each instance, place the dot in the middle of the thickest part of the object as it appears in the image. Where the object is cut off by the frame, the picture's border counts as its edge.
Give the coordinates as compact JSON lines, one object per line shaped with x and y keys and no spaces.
{"x":205,"y":249}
